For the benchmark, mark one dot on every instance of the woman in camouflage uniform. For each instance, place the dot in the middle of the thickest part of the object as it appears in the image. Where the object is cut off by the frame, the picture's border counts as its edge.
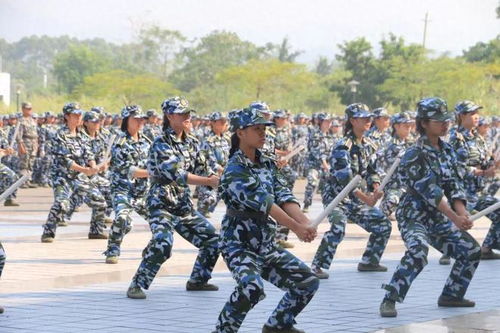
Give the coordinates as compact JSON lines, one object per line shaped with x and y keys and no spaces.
{"x":401,"y":140}
{"x":173,"y":162}
{"x":319,"y":146}
{"x":430,"y":171}
{"x":129,"y":178}
{"x":479,"y":165}
{"x":253,"y":190}
{"x":216,"y":150}
{"x":352,"y":155}
{"x":73,"y":164}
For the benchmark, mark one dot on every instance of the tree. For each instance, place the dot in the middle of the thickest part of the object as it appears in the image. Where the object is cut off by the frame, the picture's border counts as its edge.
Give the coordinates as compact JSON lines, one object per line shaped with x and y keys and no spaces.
{"x":484,"y":52}
{"x":72,"y":66}
{"x":323,"y":66}
{"x":283,"y":51}
{"x":214,"y":52}
{"x":129,"y":88}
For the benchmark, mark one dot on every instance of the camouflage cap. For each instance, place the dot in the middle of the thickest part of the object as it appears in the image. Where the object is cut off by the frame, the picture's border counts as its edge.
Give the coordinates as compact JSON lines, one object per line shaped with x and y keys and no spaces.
{"x":402,"y":118}
{"x":466,"y":107}
{"x":301,"y":115}
{"x":247,"y":117}
{"x":280,"y":114}
{"x":336,"y":123}
{"x":495,"y":119}
{"x":484,"y":121}
{"x":217,"y":115}
{"x":72,"y":107}
{"x":380,"y":112}
{"x":134,"y":111}
{"x":91,"y":116}
{"x":261,"y":106}
{"x":434,"y":108}
{"x":26,"y":105}
{"x":324,"y":116}
{"x":98,"y":109}
{"x":49,"y":114}
{"x":358,"y":110}
{"x":151,"y":113}
{"x":176,"y":105}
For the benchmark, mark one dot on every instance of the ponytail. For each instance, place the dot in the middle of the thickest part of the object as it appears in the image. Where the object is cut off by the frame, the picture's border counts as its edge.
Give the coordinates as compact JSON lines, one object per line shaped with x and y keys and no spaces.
{"x":235,"y":144}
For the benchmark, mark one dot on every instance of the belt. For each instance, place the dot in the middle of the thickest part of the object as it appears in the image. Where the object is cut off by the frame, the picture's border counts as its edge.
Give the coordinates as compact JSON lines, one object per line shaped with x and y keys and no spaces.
{"x":246,"y":214}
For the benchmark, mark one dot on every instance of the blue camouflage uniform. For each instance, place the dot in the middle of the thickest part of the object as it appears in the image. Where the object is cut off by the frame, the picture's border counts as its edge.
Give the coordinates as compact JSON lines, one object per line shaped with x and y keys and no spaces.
{"x":247,"y":240}
{"x":128,"y":193}
{"x":67,"y":150}
{"x":350,"y":158}
{"x":472,"y":154}
{"x":170,"y":206}
{"x":430,"y":175}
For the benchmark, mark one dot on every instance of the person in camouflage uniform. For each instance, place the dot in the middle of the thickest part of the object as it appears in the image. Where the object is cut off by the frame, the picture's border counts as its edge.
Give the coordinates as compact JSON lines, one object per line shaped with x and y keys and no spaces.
{"x":12,"y":160}
{"x":174,"y":162}
{"x":401,"y":140}
{"x":319,"y":146}
{"x":354,"y":155}
{"x":479,"y":165}
{"x":73,"y":164}
{"x":299,"y":134}
{"x":7,"y":176}
{"x":253,"y":190}
{"x":48,"y":131}
{"x":269,"y":147}
{"x":151,"y":129}
{"x":27,"y":141}
{"x":380,"y":132}
{"x":492,"y":184}
{"x":283,"y":144}
{"x":216,"y":150}
{"x":129,"y":178}
{"x":431,"y":172}
{"x":2,"y":264}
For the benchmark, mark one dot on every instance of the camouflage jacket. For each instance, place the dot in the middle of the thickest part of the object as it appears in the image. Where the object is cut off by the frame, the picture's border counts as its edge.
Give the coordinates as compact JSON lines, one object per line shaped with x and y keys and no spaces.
{"x":127,"y":154}
{"x":248,"y":186}
{"x":348,"y":159}
{"x":66,"y":150}
{"x":151,"y":131}
{"x":300,"y":132}
{"x":319,"y":146}
{"x":283,"y":139}
{"x":27,"y":129}
{"x":386,"y":157}
{"x":472,"y":152}
{"x":269,"y":145}
{"x":216,"y":150}
{"x":169,"y":163}
{"x":429,"y":175}
{"x":380,"y":139}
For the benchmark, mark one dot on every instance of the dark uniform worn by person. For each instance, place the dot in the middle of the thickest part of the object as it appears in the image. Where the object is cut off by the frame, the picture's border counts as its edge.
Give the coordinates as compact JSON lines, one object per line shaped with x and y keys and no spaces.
{"x":70,"y":151}
{"x":27,"y":139}
{"x":247,"y":242}
{"x":431,"y":175}
{"x":353,"y":156}
{"x":128,"y":193}
{"x":173,"y":161}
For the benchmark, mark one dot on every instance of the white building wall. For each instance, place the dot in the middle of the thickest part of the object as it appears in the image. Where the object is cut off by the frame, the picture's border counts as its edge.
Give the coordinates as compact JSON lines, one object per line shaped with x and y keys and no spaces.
{"x":5,"y":88}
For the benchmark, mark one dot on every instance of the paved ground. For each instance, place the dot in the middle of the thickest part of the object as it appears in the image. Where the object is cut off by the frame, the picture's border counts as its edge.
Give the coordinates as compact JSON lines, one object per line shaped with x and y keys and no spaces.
{"x":67,"y":287}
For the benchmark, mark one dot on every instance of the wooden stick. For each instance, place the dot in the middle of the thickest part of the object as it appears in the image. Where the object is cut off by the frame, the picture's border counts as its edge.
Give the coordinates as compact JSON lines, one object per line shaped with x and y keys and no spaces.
{"x":293,"y":153}
{"x":16,"y":131}
{"x":485,"y":211}
{"x":349,"y":187}
{"x":387,"y":178}
{"x":14,"y":187}
{"x":110,"y":142}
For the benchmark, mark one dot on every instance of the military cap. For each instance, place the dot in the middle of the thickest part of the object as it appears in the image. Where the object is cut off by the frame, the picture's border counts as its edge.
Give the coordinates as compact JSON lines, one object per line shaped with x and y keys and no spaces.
{"x":434,"y":108}
{"x":134,"y":111}
{"x":176,"y":105}
{"x":358,"y":110}
{"x":247,"y":117}
{"x":466,"y":107}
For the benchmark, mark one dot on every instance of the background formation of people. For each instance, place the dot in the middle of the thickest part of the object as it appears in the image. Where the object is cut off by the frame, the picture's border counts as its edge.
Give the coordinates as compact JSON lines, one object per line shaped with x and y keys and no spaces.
{"x":250,"y":158}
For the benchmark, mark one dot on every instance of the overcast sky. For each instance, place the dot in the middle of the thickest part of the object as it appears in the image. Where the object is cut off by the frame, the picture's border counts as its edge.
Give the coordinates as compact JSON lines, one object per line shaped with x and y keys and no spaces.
{"x":314,"y":26}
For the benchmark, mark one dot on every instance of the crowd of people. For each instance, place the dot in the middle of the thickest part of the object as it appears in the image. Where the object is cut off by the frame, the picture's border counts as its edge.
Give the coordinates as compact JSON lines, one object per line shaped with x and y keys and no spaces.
{"x":250,"y":159}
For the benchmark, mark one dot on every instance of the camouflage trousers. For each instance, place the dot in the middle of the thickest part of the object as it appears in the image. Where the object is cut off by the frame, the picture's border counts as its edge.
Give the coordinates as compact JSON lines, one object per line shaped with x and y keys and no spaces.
{"x":313,"y":181}
{"x":63,"y":189}
{"x":41,"y":170}
{"x":7,"y":178}
{"x":298,"y":163}
{"x":369,"y":218}
{"x":2,"y":258}
{"x":27,"y":161}
{"x":290,"y":176}
{"x":493,"y":186}
{"x":207,"y":199}
{"x":390,"y":201}
{"x":250,"y":269}
{"x":193,"y":227}
{"x":78,"y":198}
{"x":492,"y":239}
{"x":124,"y":205}
{"x":418,"y":235}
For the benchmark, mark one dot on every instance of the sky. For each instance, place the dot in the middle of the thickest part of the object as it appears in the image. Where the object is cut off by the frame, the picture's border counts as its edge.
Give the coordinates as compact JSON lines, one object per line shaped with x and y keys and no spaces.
{"x":313,"y":26}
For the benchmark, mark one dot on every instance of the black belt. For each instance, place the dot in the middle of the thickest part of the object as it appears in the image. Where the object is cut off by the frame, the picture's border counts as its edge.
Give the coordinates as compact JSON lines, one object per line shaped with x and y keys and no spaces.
{"x":247,"y":214}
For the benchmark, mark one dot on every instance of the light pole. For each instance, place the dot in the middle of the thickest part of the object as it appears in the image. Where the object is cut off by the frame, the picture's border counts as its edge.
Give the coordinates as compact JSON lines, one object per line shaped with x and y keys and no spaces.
{"x":18,"y":93}
{"x":353,"y":84}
